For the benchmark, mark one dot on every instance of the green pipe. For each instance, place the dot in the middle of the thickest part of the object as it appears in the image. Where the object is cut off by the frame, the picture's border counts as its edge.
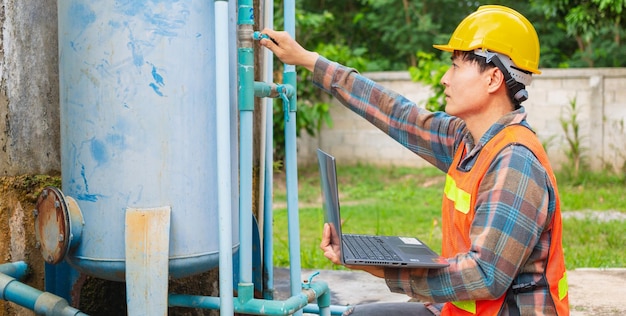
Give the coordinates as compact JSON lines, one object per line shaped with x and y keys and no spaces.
{"x":245,"y":54}
{"x":272,"y":90}
{"x":245,"y":304}
{"x":194,"y":301}
{"x":289,"y":78}
{"x":246,"y":78}
{"x":263,"y":90}
{"x":334,"y":309}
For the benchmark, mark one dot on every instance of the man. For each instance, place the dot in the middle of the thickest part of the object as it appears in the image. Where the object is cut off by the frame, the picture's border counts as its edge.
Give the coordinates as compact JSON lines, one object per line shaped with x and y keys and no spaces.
{"x":501,"y":217}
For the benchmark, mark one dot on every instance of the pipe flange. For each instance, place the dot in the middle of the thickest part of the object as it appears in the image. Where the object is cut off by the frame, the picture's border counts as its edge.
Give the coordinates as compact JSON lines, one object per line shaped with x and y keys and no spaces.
{"x":53,"y":225}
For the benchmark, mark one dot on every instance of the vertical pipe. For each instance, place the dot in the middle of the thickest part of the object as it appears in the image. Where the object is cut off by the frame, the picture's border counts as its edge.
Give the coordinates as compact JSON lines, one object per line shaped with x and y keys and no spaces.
{"x":223,"y":158}
{"x":323,"y":301}
{"x":268,"y":213}
{"x":292,"y":202}
{"x":291,"y":164}
{"x":245,"y":55}
{"x":60,"y":279}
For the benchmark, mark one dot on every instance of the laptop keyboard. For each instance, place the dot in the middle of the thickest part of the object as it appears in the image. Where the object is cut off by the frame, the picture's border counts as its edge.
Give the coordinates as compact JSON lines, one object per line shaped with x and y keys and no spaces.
{"x":369,"y":247}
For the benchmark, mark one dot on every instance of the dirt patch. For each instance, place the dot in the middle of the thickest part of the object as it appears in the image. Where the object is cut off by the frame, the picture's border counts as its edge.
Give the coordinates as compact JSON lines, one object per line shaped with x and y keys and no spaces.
{"x":18,"y":196}
{"x":597,"y":292}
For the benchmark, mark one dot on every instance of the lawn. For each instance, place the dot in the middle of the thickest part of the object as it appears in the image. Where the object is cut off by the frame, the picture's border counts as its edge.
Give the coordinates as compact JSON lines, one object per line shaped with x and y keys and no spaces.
{"x":407,"y":201}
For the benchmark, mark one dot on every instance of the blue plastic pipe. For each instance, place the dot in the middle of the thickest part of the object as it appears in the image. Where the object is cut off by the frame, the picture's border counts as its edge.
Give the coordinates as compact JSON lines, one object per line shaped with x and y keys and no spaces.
{"x":42,"y":303}
{"x":245,"y":57}
{"x":291,"y":163}
{"x":333,"y":309}
{"x":246,"y":304}
{"x":223,"y":157}
{"x":268,"y":207}
{"x":14,"y":269}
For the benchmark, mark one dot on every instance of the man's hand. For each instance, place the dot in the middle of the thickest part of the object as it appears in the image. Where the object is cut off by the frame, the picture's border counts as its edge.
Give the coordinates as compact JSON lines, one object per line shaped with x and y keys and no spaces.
{"x":330,"y":244}
{"x":332,"y":251}
{"x":288,"y":50}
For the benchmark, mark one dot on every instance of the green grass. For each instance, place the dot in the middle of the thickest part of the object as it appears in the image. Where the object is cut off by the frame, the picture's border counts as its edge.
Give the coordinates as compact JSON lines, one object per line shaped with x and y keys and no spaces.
{"x":407,"y":201}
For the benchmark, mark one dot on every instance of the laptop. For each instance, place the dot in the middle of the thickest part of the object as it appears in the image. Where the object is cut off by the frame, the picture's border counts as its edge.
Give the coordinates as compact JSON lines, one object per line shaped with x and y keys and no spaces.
{"x":390,"y":251}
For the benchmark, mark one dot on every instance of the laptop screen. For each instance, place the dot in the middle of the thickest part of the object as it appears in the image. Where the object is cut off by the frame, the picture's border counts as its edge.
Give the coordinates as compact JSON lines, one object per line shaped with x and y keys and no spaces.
{"x":330,"y":195}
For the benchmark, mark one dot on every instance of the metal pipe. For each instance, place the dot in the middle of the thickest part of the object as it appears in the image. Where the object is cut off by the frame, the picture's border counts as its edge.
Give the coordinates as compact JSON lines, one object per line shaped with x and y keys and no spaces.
{"x":14,"y":269}
{"x":268,"y":213}
{"x":223,"y":157}
{"x":247,"y":305}
{"x":246,"y":106}
{"x":42,"y":303}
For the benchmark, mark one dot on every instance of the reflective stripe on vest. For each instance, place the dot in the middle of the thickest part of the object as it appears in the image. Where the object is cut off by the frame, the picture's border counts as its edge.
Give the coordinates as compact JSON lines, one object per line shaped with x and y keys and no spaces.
{"x":462,"y":200}
{"x":563,"y":287}
{"x":468,"y":306}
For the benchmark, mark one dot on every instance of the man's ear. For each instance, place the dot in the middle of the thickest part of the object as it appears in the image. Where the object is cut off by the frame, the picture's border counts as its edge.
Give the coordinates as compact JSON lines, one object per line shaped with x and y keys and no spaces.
{"x":496,"y":79}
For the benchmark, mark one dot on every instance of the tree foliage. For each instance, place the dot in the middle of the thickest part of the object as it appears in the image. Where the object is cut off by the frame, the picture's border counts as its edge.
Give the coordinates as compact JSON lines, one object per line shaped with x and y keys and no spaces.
{"x":382,"y":35}
{"x":595,"y":26}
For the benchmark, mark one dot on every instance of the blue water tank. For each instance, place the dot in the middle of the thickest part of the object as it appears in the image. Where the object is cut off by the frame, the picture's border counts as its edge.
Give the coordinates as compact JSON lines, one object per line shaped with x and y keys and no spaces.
{"x":137,"y":96}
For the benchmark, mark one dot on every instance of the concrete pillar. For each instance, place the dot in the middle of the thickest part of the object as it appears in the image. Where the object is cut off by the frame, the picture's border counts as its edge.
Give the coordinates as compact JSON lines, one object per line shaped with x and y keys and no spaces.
{"x":29,"y":128}
{"x":29,"y":90}
{"x":596,"y":116}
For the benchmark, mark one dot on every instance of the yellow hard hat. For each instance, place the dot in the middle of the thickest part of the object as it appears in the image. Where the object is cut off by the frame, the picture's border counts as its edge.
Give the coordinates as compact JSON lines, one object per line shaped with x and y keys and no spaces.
{"x":498,"y":29}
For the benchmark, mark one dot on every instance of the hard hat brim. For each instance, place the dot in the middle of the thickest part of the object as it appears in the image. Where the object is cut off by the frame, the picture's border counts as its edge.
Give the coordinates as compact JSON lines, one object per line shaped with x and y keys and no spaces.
{"x":446,"y":48}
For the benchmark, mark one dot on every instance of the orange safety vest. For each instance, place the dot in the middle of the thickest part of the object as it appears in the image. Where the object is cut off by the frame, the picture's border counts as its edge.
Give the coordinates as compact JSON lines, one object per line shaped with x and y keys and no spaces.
{"x":459,"y":204}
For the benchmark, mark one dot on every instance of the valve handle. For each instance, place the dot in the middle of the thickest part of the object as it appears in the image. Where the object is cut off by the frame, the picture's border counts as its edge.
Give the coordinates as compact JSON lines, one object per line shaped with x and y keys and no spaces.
{"x":306,"y":284}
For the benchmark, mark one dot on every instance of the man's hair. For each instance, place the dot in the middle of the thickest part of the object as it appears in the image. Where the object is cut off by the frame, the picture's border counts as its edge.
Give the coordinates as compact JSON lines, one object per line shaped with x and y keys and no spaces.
{"x":483,"y":65}
{"x":473,"y":58}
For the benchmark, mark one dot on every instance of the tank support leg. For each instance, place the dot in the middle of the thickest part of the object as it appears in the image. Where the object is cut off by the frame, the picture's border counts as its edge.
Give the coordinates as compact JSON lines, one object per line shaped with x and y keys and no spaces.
{"x":147,"y":257}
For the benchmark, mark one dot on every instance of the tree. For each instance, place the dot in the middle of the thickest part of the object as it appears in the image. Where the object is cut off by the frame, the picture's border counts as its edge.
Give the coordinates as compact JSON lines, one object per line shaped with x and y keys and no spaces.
{"x":596,"y":26}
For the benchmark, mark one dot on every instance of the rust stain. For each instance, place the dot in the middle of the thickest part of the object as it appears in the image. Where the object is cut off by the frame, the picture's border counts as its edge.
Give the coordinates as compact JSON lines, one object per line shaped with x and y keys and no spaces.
{"x":51,"y":225}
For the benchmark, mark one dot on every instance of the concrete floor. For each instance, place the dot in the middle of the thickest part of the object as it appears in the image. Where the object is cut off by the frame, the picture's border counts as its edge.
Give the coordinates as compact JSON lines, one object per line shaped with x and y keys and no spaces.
{"x":592,"y":291}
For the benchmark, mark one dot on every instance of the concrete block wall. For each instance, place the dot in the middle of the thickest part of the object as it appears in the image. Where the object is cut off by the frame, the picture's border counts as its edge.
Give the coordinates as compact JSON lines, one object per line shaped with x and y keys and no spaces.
{"x":599,"y":93}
